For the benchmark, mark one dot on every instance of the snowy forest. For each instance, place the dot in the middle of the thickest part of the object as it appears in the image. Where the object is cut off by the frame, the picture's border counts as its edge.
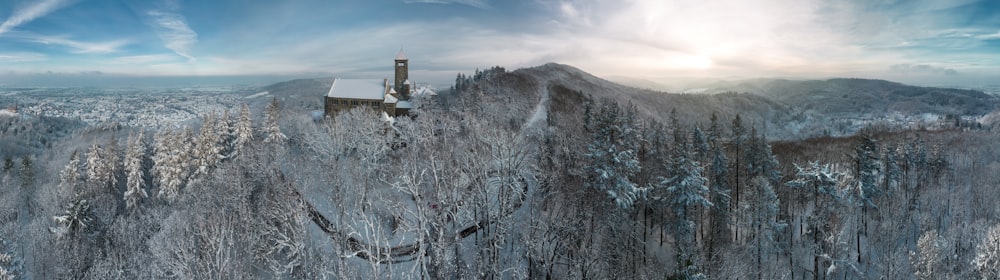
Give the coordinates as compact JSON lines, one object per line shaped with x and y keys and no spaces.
{"x":538,"y":173}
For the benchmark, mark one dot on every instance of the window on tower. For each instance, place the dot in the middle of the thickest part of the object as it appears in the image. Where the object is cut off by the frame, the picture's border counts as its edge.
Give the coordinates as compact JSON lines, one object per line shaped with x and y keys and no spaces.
{"x":401,"y":64}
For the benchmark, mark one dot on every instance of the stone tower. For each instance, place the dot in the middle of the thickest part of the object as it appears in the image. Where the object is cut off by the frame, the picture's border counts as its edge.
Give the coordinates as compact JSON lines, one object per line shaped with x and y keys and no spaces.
{"x":402,"y":75}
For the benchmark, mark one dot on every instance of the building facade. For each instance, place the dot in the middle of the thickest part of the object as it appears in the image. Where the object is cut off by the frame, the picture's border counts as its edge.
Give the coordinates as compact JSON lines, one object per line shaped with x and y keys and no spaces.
{"x":379,"y":95}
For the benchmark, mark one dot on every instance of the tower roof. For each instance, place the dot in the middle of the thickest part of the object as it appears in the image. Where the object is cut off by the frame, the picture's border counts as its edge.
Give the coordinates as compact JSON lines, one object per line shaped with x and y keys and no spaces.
{"x":401,"y":55}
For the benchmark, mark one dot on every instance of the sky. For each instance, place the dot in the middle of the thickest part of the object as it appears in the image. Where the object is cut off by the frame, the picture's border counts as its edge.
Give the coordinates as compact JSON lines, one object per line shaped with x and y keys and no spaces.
{"x":927,"y":42}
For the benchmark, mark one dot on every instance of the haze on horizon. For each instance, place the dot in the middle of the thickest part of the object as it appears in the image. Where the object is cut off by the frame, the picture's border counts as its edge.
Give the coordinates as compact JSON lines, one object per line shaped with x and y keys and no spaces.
{"x":924,"y":42}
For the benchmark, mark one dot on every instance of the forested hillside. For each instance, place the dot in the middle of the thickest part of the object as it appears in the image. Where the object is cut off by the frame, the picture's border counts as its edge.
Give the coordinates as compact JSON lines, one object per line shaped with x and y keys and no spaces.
{"x":539,"y":173}
{"x":854,"y":97}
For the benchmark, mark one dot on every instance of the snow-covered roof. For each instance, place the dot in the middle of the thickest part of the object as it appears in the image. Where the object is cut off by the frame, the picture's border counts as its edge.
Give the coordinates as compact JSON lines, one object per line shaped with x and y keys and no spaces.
{"x":423,"y":91}
{"x":406,"y":82}
{"x":404,"y":105}
{"x":390,"y":99}
{"x":357,"y":89}
{"x":401,"y":55}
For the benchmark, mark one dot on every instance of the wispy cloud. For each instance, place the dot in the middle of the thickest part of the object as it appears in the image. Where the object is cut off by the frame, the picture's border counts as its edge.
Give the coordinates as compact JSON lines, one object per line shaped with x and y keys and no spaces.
{"x":482,"y":4}
{"x":922,"y":69}
{"x":22,"y":57}
{"x":31,"y":12}
{"x":174,"y":32}
{"x":80,"y":47}
{"x":144,"y":59}
{"x":992,"y":36}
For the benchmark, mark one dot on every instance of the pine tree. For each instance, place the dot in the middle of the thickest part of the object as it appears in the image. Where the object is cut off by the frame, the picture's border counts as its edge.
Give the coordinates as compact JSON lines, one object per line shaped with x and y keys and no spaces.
{"x":274,"y":134}
{"x":822,"y":182}
{"x":69,"y":178}
{"x":720,"y":212}
{"x":27,"y":171}
{"x":612,"y":152}
{"x":763,"y":216}
{"x":172,"y":162}
{"x":224,"y":128}
{"x":867,"y":168}
{"x":737,"y":144}
{"x":893,"y":171}
{"x":113,"y":163}
{"x":135,"y":190}
{"x":207,"y":152}
{"x":76,"y":219}
{"x":244,"y":129}
{"x":687,"y":189}
{"x":97,"y":166}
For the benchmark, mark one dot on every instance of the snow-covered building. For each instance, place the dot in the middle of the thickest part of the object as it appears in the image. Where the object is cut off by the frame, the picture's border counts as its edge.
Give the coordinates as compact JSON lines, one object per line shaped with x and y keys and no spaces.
{"x":377,"y":94}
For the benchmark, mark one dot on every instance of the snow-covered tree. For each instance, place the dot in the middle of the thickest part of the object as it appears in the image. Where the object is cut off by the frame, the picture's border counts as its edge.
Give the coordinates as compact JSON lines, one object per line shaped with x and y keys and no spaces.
{"x":893,"y":171}
{"x":762,"y":214}
{"x":171,"y":162}
{"x":97,"y":166}
{"x":987,"y":261}
{"x":75,"y":219}
{"x":868,"y":170}
{"x":135,"y":190}
{"x":244,"y":129}
{"x":822,"y":184}
{"x":207,"y":151}
{"x":69,"y":178}
{"x":686,"y":188}
{"x":113,"y":163}
{"x":224,"y":127}
{"x":612,"y":153}
{"x":273,"y":112}
{"x":927,"y":260}
{"x":719,"y":188}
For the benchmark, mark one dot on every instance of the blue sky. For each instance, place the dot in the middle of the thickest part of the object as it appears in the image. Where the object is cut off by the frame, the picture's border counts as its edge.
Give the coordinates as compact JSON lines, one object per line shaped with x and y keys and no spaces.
{"x":944,"y":42}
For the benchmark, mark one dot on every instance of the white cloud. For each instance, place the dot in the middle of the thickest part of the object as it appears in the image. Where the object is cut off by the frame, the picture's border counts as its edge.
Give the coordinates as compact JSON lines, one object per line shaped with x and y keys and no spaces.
{"x":144,"y":59}
{"x":174,"y":32}
{"x":993,"y":36}
{"x":907,"y":68}
{"x":80,"y":47}
{"x":22,"y":57}
{"x":31,"y":12}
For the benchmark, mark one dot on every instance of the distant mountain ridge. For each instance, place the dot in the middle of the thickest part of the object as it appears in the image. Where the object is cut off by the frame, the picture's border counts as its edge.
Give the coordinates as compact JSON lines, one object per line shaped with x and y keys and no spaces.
{"x":852,"y":96}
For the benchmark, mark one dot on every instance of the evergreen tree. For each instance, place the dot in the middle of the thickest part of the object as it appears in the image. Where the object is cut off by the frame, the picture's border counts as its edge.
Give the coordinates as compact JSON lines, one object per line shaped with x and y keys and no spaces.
{"x":135,"y":190}
{"x":97,"y":166}
{"x":274,"y":134}
{"x":720,"y":212}
{"x":113,"y":164}
{"x":172,"y":162}
{"x":27,"y":171}
{"x":737,"y":144}
{"x":893,"y":171}
{"x":612,"y":153}
{"x":822,"y":183}
{"x":244,"y":129}
{"x":207,"y":152}
{"x":763,"y":216}
{"x":76,"y":218}
{"x":69,"y":178}
{"x":867,"y":168}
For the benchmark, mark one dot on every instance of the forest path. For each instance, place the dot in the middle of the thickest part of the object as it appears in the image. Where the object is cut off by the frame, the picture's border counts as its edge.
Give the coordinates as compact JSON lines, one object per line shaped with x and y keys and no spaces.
{"x":541,"y":112}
